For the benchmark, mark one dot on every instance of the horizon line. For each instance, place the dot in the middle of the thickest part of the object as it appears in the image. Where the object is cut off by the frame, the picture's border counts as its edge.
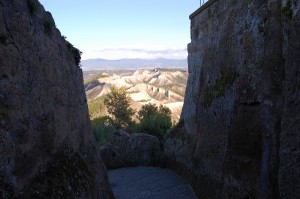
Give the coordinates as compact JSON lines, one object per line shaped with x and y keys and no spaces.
{"x":133,"y":58}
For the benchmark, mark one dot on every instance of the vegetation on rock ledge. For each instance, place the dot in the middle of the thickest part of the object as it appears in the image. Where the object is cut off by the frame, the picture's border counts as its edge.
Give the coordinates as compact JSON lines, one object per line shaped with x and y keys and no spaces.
{"x":33,"y":6}
{"x":48,"y":26}
{"x":218,"y":89}
{"x":287,"y":10}
{"x":75,"y":51}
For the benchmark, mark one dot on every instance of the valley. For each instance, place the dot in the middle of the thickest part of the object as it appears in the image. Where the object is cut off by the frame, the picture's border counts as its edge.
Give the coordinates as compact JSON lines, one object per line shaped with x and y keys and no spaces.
{"x":157,"y":86}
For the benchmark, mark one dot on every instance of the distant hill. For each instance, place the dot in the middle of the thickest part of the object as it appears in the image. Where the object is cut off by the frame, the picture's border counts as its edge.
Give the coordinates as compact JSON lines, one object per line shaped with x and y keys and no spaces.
{"x":157,"y":86}
{"x":132,"y":64}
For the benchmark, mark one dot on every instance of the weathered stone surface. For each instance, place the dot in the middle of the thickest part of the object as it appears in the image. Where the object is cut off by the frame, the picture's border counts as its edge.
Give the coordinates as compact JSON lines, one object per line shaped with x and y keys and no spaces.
{"x":45,"y":135}
{"x":239,"y":133}
{"x":136,"y":149}
{"x":148,"y":183}
{"x":143,"y":149}
{"x":289,"y":153}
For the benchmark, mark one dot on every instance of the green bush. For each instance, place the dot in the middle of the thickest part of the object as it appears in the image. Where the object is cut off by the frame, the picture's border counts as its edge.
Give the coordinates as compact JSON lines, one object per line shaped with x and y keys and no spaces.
{"x":118,"y":106}
{"x":48,"y":26}
{"x":154,"y":120}
{"x":96,"y":107}
{"x":102,"y":129}
{"x":33,"y":6}
{"x":75,"y":51}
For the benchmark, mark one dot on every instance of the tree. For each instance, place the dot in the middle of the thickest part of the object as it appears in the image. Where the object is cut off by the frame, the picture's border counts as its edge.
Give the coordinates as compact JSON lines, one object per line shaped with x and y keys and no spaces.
{"x":102,"y":129}
{"x":147,"y":111}
{"x":154,"y":120}
{"x":117,"y":103}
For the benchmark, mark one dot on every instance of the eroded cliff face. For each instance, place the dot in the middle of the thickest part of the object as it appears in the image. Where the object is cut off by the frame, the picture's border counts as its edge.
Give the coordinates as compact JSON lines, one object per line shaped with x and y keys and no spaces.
{"x":46,"y":143}
{"x":239,"y":134}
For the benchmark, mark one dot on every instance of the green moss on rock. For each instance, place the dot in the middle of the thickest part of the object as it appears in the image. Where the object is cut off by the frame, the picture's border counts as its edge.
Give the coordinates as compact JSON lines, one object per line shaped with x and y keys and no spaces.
{"x":217,"y":90}
{"x":33,"y":6}
{"x":287,"y":10}
{"x":67,"y":176}
{"x":48,"y":26}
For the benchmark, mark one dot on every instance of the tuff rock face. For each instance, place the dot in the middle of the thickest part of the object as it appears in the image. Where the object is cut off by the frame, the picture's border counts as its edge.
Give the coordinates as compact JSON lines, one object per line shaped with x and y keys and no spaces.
{"x":127,"y":150}
{"x":46,"y":143}
{"x":239,"y":134}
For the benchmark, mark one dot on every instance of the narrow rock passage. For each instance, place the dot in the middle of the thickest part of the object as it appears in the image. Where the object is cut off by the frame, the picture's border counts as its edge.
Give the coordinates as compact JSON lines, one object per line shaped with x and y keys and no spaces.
{"x":148,"y":183}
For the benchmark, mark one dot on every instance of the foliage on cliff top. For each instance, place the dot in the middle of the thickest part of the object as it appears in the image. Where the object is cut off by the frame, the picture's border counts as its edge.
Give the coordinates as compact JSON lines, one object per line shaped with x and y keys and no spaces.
{"x":75,"y":51}
{"x":48,"y":26}
{"x":33,"y":6}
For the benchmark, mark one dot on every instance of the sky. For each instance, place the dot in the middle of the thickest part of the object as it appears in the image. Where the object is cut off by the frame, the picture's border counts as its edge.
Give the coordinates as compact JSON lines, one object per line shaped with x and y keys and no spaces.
{"x":117,"y":29}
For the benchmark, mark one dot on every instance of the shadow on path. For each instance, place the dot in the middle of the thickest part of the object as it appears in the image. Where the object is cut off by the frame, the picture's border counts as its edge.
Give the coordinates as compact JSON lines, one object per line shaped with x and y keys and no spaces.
{"x":148,"y":183}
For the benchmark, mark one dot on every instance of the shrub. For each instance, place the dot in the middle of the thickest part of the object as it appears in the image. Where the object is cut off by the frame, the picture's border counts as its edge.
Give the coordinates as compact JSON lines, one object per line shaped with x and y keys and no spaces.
{"x":154,"y":120}
{"x":48,"y":25}
{"x":102,"y":129}
{"x":96,"y":107}
{"x":118,"y":106}
{"x":33,"y":6}
{"x":75,"y":51}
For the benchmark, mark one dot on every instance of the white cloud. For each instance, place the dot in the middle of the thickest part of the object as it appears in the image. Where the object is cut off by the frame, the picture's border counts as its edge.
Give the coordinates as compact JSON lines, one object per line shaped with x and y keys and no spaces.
{"x":142,"y":53}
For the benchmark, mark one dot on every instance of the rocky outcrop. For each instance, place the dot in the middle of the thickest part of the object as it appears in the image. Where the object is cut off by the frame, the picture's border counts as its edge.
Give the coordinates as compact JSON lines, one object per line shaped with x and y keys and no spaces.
{"x":46,"y":143}
{"x":239,"y":131}
{"x":127,"y":150}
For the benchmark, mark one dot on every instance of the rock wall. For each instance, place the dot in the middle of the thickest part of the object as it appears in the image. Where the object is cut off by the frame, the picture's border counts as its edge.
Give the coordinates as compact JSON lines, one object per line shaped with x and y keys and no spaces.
{"x":46,"y":143}
{"x":130,"y":150}
{"x":289,"y":143}
{"x":239,"y":134}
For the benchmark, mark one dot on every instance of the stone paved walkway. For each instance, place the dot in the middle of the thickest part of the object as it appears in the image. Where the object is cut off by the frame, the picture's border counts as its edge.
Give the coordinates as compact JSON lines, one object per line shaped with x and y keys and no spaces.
{"x":148,"y":183}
